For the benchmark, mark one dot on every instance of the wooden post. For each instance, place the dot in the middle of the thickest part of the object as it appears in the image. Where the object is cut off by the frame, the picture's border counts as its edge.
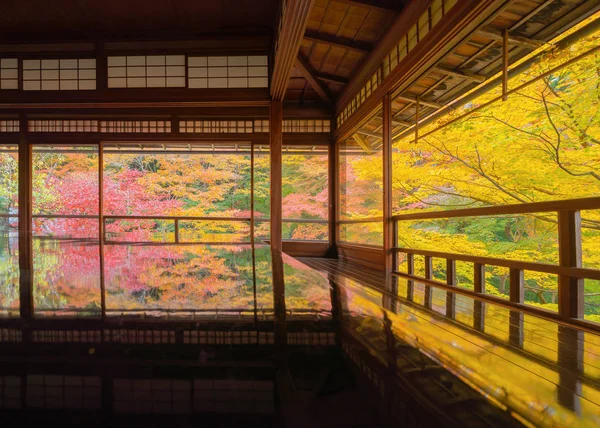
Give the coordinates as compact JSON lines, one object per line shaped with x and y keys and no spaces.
{"x":276,"y":136}
{"x":418,"y":108}
{"x":25,"y":226}
{"x":505,"y":65}
{"x":429,"y":275}
{"x":332,"y":188}
{"x":101,"y":233}
{"x":450,"y":297}
{"x":517,"y":290}
{"x":479,"y":278}
{"x":101,"y":67}
{"x":279,"y":300}
{"x":337,"y":171}
{"x":252,"y":193}
{"x":388,"y":227}
{"x":570,"y":290}
{"x":410,"y":270}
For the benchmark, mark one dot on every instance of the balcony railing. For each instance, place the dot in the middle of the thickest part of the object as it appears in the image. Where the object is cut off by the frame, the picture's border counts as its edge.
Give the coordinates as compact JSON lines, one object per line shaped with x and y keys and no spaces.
{"x":571,"y":274}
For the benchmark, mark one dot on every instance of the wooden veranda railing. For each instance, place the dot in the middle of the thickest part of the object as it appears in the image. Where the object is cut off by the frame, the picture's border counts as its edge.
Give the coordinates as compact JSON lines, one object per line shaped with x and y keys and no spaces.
{"x":571,"y":274}
{"x":176,"y":222}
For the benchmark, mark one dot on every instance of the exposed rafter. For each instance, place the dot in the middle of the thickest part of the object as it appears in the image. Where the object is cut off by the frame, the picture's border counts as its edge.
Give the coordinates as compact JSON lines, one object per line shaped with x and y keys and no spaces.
{"x":422,"y":102}
{"x":311,"y":76}
{"x":338,"y":42}
{"x":514,"y":40}
{"x":362,"y":143}
{"x":292,"y":27}
{"x":382,"y":5}
{"x":331,"y":78}
{"x":461,"y":74}
{"x":409,"y":15}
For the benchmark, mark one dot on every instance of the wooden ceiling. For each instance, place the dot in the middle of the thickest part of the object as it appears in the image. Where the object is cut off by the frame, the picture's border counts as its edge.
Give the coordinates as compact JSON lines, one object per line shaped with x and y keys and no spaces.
{"x":339,"y":35}
{"x":44,"y":20}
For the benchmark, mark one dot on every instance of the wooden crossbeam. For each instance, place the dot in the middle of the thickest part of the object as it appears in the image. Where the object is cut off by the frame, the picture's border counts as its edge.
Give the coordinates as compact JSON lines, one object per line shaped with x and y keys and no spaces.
{"x":339,"y":42}
{"x":397,"y":122}
{"x":362,"y":143}
{"x":422,"y":102}
{"x":461,"y":74}
{"x":309,"y":74}
{"x":292,"y":28}
{"x":381,"y":5}
{"x":514,"y":40}
{"x":404,"y":20}
{"x":332,"y":78}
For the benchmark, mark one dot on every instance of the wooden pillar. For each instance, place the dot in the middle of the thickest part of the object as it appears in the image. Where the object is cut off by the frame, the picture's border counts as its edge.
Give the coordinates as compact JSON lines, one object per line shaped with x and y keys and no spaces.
{"x":101,"y":234}
{"x":101,"y":67}
{"x":25,"y":226}
{"x":505,"y":65}
{"x":252,"y":225}
{"x":276,"y":136}
{"x":332,"y":171}
{"x":570,"y":289}
{"x":279,"y":307}
{"x":388,"y":226}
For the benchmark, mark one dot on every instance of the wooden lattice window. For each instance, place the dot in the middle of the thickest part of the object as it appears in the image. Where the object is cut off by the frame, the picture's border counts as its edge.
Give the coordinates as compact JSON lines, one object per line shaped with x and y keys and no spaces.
{"x":261,"y":126}
{"x":135,"y":126}
{"x":9,"y":125}
{"x":151,"y":71}
{"x":9,"y":73}
{"x":228,"y":72}
{"x":307,"y":125}
{"x":63,"y":125}
{"x":216,"y":126}
{"x":59,"y":74}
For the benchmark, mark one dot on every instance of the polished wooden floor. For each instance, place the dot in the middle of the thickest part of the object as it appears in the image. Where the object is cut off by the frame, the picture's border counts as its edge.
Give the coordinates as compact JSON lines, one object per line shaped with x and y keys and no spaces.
{"x":543,"y":371}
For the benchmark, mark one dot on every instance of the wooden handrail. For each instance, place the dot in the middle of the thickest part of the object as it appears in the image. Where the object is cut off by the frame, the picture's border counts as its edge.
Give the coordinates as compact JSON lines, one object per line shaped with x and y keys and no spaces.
{"x":65,"y":216}
{"x":179,"y":218}
{"x":529,"y":208}
{"x":293,"y":220}
{"x":571,"y":274}
{"x":362,"y":220}
{"x":513,"y":264}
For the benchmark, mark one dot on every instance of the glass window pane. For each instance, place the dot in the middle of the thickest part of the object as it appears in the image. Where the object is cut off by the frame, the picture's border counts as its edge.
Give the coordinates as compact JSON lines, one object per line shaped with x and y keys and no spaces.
{"x":361,"y":184}
{"x":305,"y":192}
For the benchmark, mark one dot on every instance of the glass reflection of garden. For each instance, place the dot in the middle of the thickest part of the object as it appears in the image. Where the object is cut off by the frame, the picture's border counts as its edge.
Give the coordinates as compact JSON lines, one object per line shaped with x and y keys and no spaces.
{"x":68,"y":272}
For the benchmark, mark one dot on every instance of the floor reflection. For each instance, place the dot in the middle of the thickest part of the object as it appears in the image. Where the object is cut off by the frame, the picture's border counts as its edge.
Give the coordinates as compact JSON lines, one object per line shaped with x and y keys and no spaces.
{"x":9,"y":273}
{"x":81,"y":278}
{"x":546,"y":372}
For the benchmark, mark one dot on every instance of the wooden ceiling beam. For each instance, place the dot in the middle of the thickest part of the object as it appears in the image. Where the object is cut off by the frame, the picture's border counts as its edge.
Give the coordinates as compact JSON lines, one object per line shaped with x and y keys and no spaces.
{"x":460,"y":74}
{"x":331,"y":78}
{"x":380,"y":5}
{"x":513,"y":40}
{"x":362,"y":143}
{"x":338,"y":42}
{"x":311,"y":76}
{"x":405,"y":20}
{"x":292,"y":26}
{"x":422,"y":102}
